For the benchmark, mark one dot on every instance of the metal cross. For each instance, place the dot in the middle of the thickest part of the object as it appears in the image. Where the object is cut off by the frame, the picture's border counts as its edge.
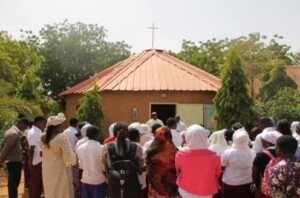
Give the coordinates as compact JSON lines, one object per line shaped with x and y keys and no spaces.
{"x":153,"y":28}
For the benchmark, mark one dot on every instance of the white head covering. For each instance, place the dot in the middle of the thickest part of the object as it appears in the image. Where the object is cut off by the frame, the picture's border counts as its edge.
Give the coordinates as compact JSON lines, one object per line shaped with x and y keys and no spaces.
{"x":271,"y":136}
{"x":84,"y":129}
{"x":257,"y":146}
{"x":145,"y":129}
{"x":135,"y":125}
{"x":217,"y":138}
{"x":196,"y":137}
{"x":241,"y":139}
{"x":146,"y":134}
{"x":56,"y":120}
{"x":223,"y":131}
{"x":294,"y":125}
{"x":218,"y":142}
{"x":111,"y":130}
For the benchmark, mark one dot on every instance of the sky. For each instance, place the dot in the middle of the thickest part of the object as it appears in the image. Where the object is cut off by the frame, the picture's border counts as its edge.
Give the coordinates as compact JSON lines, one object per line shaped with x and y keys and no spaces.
{"x":128,"y":20}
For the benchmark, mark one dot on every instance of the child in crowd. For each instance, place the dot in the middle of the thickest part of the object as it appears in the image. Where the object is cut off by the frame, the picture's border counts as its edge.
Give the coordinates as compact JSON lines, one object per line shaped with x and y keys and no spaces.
{"x":89,"y":155}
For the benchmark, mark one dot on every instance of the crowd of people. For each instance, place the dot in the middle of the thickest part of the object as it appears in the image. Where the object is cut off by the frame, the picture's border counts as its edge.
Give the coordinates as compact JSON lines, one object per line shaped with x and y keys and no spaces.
{"x":153,"y":160}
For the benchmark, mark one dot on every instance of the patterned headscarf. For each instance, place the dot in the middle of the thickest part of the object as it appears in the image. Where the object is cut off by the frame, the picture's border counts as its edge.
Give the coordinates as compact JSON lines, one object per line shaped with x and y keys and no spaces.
{"x":164,"y":133}
{"x":160,"y":162}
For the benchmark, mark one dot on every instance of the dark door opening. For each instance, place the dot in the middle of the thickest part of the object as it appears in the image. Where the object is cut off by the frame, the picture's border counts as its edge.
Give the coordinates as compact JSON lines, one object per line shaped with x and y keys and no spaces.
{"x":164,"y":111}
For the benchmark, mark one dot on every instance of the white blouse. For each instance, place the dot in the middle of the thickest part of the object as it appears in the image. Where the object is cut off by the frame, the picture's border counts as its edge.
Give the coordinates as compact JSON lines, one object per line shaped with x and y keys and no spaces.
{"x":89,"y":155}
{"x":238,"y":165}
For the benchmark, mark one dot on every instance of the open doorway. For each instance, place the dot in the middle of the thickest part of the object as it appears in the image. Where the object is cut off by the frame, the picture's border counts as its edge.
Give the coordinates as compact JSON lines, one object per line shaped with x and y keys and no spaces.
{"x":164,"y":111}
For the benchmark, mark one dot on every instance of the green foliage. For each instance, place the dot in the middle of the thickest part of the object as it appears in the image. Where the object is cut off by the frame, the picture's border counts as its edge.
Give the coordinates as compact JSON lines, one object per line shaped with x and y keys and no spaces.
{"x":253,"y":55}
{"x":50,"y":106}
{"x":3,"y":127}
{"x":232,"y":101}
{"x":255,"y":52}
{"x":19,"y":63}
{"x":279,"y":51}
{"x":5,"y":88}
{"x":296,"y":59}
{"x":17,"y":59}
{"x":275,"y":78}
{"x":10,"y":106}
{"x":53,"y":106}
{"x":285,"y":104}
{"x":208,"y":55}
{"x":30,"y":88}
{"x":75,"y":51}
{"x":18,"y":81}
{"x":91,"y":109}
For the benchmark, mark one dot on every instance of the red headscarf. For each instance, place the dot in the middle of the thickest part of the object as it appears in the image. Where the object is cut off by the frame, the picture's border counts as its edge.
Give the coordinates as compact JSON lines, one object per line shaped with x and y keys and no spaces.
{"x":160,"y":161}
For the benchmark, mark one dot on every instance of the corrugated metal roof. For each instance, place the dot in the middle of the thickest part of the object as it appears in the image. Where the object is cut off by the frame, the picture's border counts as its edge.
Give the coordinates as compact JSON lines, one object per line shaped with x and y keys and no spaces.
{"x":150,"y":70}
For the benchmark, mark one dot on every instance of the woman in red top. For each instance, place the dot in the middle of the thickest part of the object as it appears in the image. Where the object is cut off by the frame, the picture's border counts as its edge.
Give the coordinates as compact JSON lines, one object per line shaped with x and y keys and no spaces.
{"x":198,"y":168}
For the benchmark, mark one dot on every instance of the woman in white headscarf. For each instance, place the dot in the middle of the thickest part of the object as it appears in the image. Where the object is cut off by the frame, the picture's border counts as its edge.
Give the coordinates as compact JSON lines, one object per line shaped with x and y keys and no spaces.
{"x":294,"y":125}
{"x":268,"y":141}
{"x":237,"y":161}
{"x":218,"y":143}
{"x":146,"y":134}
{"x":198,"y":168}
{"x":57,"y":160}
{"x":135,"y":125}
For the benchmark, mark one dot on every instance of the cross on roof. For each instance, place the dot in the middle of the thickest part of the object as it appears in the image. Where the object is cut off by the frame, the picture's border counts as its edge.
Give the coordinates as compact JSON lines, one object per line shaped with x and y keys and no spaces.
{"x":153,"y":28}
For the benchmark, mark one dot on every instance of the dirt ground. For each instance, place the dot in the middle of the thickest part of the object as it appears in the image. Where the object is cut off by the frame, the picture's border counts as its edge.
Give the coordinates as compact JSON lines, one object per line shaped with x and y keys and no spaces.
{"x":3,"y":184}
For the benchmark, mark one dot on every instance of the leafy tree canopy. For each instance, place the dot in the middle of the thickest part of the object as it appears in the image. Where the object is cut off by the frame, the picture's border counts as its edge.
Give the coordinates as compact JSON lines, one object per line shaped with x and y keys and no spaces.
{"x":232,"y":101}
{"x":296,"y":59}
{"x":255,"y":51}
{"x":18,"y":79}
{"x":285,"y":104}
{"x":19,"y":63}
{"x":208,"y":55}
{"x":91,"y":109}
{"x":274,"y":79}
{"x":75,"y":51}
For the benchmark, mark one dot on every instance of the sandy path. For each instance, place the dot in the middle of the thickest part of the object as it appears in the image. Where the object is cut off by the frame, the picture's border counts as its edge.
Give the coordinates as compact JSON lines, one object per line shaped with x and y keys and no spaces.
{"x":3,"y":184}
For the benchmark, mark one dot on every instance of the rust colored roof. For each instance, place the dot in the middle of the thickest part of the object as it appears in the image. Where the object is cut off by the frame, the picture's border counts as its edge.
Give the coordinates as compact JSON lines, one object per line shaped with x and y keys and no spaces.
{"x":150,"y":70}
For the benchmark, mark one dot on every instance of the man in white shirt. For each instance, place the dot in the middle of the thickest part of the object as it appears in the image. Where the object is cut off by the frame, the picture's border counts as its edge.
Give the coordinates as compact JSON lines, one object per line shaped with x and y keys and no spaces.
{"x":89,"y":155}
{"x":35,"y":158}
{"x":180,"y":125}
{"x":154,"y":119}
{"x":176,"y":136}
{"x":71,"y":132}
